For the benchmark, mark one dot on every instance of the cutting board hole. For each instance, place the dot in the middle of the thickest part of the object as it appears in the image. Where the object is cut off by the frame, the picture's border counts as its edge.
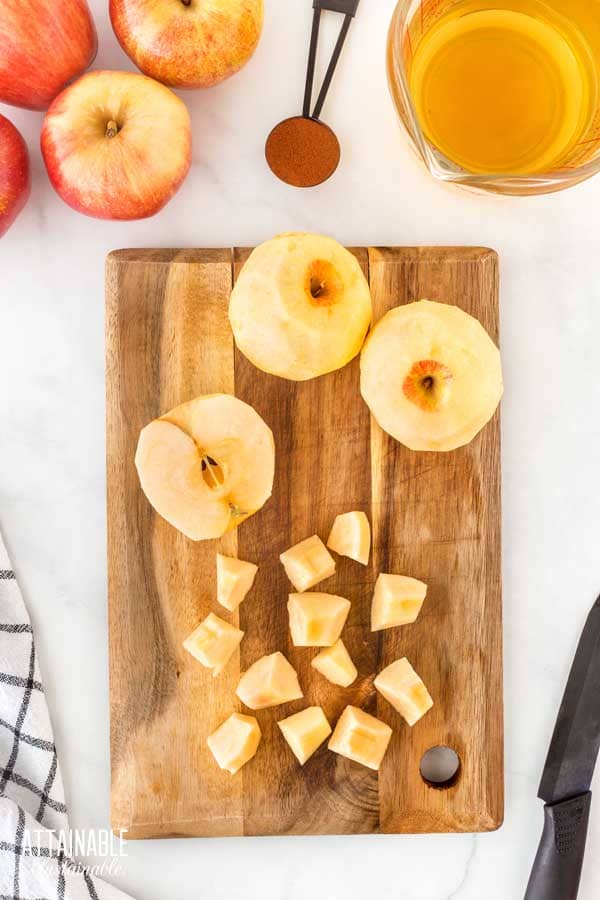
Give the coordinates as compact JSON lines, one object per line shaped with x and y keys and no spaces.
{"x":440,"y":767}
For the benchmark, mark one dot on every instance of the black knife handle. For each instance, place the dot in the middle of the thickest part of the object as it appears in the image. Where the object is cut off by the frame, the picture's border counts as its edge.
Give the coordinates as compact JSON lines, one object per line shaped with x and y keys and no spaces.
{"x":557,"y":867}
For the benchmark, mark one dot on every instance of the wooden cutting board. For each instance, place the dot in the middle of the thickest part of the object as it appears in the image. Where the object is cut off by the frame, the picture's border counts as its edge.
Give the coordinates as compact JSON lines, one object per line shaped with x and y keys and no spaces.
{"x":434,"y":516}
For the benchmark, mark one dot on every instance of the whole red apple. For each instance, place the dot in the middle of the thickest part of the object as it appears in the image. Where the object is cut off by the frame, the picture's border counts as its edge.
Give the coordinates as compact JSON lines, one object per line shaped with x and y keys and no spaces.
{"x":15,"y":178}
{"x":117,"y":145}
{"x":188,"y":43}
{"x":44,"y":44}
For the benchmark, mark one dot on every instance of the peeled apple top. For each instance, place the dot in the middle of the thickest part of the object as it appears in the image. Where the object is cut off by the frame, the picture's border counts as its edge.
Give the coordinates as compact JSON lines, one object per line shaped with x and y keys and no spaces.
{"x":301,"y":306}
{"x":207,"y":465}
{"x":191,"y":44}
{"x":431,"y":375}
{"x":44,"y":44}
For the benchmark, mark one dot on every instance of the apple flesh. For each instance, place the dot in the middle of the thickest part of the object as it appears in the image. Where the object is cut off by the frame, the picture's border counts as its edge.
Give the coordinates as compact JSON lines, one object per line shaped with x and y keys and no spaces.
{"x":397,"y":600}
{"x":269,"y":681}
{"x":361,"y":737}
{"x":117,"y":145}
{"x":350,"y":536}
{"x":207,"y":465}
{"x":431,"y":375}
{"x":15,"y":176}
{"x":235,"y":577}
{"x":335,"y":664}
{"x":308,"y":563}
{"x":235,"y":742}
{"x":316,"y":620}
{"x":404,"y":690}
{"x":213,"y":643}
{"x":301,"y":306}
{"x":45,"y":45}
{"x":188,"y":43}
{"x":305,"y":732}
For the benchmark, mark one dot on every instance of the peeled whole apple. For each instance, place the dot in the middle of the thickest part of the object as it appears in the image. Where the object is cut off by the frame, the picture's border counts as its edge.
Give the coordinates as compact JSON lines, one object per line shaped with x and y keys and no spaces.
{"x":207,"y":465}
{"x":117,"y":145}
{"x":431,"y":375}
{"x":301,"y":306}
{"x":44,"y":44}
{"x":15,"y":177}
{"x":188,"y":43}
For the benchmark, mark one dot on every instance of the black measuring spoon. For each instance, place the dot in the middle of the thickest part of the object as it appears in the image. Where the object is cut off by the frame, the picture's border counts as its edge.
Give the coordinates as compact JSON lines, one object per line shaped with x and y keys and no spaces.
{"x":303,"y":151}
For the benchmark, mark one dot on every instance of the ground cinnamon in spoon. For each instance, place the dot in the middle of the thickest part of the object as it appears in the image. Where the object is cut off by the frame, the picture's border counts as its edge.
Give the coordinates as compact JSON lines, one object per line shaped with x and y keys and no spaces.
{"x":302,"y":152}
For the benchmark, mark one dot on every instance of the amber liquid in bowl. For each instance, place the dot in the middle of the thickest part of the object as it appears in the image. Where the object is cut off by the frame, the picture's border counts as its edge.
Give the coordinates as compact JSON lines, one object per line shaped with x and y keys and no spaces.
{"x":507,"y":87}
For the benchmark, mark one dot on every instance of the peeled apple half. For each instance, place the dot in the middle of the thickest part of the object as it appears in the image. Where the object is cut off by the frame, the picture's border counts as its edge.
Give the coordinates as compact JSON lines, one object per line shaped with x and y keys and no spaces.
{"x":301,"y":306}
{"x":207,"y":465}
{"x":431,"y":375}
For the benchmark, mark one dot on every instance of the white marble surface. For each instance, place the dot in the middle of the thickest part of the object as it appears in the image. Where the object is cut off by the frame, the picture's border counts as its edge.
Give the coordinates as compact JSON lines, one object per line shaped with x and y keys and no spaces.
{"x":52,"y":447}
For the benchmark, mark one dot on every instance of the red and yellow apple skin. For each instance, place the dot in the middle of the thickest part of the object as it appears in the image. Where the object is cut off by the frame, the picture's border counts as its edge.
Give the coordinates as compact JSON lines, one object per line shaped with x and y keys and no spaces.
{"x":188,"y":43}
{"x":45,"y":45}
{"x":117,"y":145}
{"x":15,"y":177}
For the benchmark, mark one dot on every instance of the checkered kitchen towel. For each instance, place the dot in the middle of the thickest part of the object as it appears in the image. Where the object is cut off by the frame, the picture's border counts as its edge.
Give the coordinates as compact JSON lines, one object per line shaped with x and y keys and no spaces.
{"x":33,"y":815}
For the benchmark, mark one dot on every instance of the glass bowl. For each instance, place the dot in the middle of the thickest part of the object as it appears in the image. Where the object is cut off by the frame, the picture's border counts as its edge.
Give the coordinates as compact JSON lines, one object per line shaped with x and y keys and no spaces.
{"x":409,"y":21}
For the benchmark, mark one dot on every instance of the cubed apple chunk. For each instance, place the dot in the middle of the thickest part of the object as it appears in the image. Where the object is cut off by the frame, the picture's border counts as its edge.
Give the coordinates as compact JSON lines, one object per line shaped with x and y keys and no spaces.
{"x":235,"y":742}
{"x":308,"y":563}
{"x":305,"y":732}
{"x":351,"y":536}
{"x":397,"y":601}
{"x":213,"y":643}
{"x":316,"y":620}
{"x":402,"y":687}
{"x":361,"y":737}
{"x":335,"y":664}
{"x":269,"y":681}
{"x":234,"y":579}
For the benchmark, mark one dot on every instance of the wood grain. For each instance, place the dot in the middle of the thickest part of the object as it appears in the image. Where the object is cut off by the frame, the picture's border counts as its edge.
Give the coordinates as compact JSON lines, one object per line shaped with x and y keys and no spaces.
{"x":437,"y":518}
{"x":434,"y":516}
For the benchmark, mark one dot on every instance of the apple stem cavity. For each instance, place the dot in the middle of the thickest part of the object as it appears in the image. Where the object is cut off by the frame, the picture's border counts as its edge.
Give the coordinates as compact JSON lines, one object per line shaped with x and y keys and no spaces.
{"x":112,"y":129}
{"x":317,"y":288}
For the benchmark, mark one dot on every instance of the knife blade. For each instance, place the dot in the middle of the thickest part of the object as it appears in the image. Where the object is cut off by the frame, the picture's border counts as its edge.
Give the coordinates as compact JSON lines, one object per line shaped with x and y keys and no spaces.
{"x":568,"y":773}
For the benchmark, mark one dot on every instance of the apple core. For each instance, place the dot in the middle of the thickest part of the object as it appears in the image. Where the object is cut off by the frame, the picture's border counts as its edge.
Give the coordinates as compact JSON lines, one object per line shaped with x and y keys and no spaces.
{"x":431,"y":375}
{"x":212,"y":473}
{"x":428,"y":385}
{"x":323,"y":283}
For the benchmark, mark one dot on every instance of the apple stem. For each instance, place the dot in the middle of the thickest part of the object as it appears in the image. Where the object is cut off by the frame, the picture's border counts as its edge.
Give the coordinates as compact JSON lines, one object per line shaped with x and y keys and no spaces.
{"x":112,"y":129}
{"x":187,"y":2}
